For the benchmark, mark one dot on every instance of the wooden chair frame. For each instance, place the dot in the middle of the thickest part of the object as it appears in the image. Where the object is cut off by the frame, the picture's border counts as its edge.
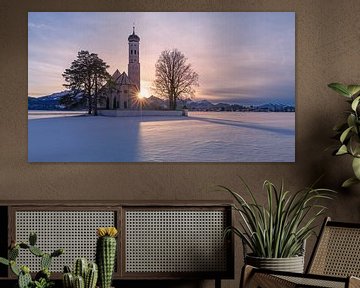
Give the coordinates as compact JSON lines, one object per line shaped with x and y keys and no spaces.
{"x":255,"y":277}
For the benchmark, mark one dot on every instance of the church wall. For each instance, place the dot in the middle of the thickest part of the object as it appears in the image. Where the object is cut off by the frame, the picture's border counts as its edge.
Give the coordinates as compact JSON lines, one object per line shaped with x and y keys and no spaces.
{"x":327,"y":50}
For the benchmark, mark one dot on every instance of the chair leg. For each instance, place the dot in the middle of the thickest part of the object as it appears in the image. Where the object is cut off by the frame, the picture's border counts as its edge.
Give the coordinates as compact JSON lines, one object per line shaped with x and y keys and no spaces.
{"x":217,"y":283}
{"x":246,"y":273}
{"x":354,"y":282}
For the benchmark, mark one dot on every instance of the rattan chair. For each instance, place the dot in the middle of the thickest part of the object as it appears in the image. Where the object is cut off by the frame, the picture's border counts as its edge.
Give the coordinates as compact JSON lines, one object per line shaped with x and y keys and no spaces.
{"x":334,"y":263}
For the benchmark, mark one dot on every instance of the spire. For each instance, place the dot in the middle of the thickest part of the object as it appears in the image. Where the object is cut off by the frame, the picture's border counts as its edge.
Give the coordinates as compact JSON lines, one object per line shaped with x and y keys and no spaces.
{"x":134,"y":28}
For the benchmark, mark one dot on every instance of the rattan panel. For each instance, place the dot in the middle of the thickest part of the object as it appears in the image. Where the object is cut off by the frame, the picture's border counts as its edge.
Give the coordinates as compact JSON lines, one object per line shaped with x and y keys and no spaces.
{"x":338,"y":253}
{"x":175,"y":241}
{"x":312,"y":282}
{"x":75,"y":231}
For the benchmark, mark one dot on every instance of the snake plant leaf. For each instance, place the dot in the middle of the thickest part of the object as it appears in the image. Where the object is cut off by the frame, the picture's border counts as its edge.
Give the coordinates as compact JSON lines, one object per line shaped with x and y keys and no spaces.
{"x":355,"y":103}
{"x":356,"y":167}
{"x":341,"y":89}
{"x":349,"y":182}
{"x":353,"y":89}
{"x":345,"y":134}
{"x":342,"y":150}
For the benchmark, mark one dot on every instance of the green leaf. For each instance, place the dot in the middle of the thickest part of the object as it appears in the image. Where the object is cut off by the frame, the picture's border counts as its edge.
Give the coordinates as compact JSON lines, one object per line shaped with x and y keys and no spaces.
{"x":4,"y":261}
{"x":354,"y":145}
{"x":349,"y":182}
{"x":356,"y":167}
{"x":351,"y":120}
{"x":353,"y":89}
{"x":345,"y":134}
{"x":340,"y":88}
{"x":342,"y":150}
{"x":355,"y":103}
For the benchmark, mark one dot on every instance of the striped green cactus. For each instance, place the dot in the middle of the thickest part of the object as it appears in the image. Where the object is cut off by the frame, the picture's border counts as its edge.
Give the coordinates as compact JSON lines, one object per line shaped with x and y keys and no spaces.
{"x":79,"y":282}
{"x":68,"y":280}
{"x":80,"y":267}
{"x":106,"y":254}
{"x":87,"y":272}
{"x":91,"y":276}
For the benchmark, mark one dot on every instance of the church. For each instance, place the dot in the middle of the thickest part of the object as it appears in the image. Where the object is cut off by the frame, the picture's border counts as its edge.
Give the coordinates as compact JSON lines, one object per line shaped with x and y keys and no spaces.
{"x":122,"y":90}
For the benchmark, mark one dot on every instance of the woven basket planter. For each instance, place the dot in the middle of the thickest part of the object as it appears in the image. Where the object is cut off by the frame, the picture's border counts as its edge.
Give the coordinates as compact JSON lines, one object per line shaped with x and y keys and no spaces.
{"x":291,"y":264}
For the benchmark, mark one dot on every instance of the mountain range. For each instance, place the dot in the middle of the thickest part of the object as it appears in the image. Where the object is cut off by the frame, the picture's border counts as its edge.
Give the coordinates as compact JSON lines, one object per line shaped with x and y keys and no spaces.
{"x":52,"y":102}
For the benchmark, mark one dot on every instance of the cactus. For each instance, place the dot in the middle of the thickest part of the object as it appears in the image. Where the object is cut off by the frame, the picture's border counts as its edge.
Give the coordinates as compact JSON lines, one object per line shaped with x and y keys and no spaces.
{"x":79,"y":282}
{"x":87,"y":272}
{"x":42,"y":278}
{"x":36,"y":251}
{"x":13,"y":253}
{"x":45,"y":261}
{"x":105,"y":254}
{"x":68,"y":280}
{"x":32,"y":238}
{"x":91,"y":276}
{"x":14,"y":268}
{"x":80,"y":268}
{"x":24,"y":280}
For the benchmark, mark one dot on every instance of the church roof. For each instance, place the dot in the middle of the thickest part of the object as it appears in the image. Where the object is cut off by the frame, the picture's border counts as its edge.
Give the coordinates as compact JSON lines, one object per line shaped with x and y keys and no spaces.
{"x":133,"y":37}
{"x":121,"y":78}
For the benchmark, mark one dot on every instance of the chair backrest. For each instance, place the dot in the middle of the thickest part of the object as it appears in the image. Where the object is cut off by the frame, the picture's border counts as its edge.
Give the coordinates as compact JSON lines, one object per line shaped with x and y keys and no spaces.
{"x":337,"y":251}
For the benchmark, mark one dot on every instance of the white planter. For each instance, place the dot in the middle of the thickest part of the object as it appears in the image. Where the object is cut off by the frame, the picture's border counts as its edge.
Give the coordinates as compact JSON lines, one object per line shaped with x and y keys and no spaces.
{"x":291,"y":264}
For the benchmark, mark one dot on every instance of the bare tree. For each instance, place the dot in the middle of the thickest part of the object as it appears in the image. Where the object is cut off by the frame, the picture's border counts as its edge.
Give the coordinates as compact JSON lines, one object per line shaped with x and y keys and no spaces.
{"x":174,"y":78}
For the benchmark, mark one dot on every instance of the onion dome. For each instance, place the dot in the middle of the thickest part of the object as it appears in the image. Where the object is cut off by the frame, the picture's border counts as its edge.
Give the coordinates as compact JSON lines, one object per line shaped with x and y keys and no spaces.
{"x":133,"y":37}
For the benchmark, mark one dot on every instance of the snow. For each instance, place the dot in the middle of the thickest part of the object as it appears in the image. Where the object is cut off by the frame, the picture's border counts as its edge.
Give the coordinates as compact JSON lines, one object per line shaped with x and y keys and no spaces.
{"x":201,"y":137}
{"x":40,"y":114}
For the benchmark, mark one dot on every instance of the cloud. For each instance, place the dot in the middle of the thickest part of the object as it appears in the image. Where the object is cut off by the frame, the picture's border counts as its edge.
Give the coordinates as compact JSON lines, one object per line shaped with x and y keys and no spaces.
{"x":238,"y":56}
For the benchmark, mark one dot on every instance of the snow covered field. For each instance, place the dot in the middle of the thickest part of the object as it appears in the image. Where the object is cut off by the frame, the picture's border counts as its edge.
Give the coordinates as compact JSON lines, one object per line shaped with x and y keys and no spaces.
{"x":201,"y":137}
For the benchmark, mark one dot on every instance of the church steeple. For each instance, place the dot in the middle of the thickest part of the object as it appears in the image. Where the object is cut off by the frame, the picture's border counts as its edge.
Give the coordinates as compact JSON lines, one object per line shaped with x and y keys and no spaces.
{"x":134,"y":56}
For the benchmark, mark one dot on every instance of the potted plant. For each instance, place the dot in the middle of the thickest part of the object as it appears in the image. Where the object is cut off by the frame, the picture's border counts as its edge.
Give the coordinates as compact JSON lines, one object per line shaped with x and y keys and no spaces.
{"x":348,"y":132}
{"x":276,"y":233}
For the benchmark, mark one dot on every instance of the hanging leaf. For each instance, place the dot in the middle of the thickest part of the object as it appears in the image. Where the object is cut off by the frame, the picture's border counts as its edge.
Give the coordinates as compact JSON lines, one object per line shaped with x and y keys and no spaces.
{"x":340,"y":88}
{"x":342,"y":150}
{"x":356,"y":167}
{"x":354,"y":145}
{"x":355,"y":103}
{"x":353,"y":89}
{"x":351,"y":120}
{"x":349,"y":182}
{"x":345,"y":134}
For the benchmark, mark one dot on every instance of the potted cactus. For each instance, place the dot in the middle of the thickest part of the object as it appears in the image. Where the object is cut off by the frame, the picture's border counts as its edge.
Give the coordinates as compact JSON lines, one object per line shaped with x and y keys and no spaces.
{"x":84,"y":275}
{"x":106,"y":254}
{"x":42,"y":278}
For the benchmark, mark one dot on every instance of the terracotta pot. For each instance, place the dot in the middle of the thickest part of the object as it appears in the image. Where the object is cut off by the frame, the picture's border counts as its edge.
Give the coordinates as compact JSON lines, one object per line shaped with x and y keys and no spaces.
{"x":291,"y":264}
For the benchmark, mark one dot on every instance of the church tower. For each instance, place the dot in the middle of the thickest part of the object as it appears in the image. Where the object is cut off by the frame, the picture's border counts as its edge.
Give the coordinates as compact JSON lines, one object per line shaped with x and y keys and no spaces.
{"x":134,"y":64}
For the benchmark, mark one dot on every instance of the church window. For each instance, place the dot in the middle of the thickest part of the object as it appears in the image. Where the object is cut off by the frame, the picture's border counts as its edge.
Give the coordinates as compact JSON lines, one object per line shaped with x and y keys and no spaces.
{"x":131,"y":52}
{"x":135,"y":52}
{"x":125,"y":105}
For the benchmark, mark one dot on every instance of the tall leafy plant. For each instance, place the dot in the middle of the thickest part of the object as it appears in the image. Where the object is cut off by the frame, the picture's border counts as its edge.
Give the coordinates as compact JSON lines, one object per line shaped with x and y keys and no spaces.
{"x":279,"y":229}
{"x":348,"y":132}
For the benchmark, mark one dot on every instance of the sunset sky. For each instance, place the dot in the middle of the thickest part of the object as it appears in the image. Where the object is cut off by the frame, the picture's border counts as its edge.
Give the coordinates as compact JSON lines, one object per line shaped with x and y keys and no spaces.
{"x":246,"y":58}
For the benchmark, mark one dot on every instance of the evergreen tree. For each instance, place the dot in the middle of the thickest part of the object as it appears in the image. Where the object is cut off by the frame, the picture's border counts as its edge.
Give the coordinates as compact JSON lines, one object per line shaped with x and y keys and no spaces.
{"x":84,"y":78}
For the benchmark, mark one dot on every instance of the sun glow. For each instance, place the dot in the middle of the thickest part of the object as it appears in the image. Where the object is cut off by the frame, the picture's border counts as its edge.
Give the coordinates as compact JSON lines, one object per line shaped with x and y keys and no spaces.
{"x":144,"y":93}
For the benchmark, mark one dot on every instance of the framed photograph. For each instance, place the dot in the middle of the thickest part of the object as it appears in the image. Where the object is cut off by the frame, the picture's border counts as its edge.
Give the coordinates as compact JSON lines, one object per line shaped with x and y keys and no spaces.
{"x":161,"y":87}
